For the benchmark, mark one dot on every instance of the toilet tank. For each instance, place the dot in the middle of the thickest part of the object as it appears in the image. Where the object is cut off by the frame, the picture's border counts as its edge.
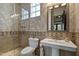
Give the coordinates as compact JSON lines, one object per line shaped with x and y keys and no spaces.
{"x":33,"y":42}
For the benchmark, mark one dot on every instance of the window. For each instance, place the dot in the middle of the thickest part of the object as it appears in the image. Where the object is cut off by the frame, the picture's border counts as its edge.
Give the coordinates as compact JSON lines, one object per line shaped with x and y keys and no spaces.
{"x":35,"y":9}
{"x":25,"y":14}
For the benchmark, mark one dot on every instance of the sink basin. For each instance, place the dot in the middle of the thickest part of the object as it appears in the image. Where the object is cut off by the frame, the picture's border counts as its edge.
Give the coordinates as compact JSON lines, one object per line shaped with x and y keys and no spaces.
{"x":58,"y":44}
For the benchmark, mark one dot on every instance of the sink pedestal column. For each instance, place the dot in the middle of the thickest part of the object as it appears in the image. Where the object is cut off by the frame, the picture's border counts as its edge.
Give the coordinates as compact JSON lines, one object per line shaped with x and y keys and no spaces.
{"x":55,"y":52}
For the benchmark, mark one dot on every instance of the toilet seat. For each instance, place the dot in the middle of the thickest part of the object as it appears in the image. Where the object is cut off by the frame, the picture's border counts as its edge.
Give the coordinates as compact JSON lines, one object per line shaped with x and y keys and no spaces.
{"x":27,"y":51}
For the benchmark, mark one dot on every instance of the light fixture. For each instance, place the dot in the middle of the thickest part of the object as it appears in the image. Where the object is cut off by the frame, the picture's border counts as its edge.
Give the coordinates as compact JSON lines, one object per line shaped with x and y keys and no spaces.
{"x":49,"y":4}
{"x":59,"y":16}
{"x":63,"y":4}
{"x":56,"y":6}
{"x":14,"y":15}
{"x":50,"y":7}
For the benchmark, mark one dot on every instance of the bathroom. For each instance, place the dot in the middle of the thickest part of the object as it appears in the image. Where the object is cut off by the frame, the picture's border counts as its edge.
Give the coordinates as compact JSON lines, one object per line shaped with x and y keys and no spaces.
{"x":20,"y":21}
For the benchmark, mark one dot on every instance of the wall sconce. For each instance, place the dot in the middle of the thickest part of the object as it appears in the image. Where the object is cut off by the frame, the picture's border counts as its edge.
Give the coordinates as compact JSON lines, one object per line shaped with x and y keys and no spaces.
{"x":63,"y":4}
{"x":49,"y":4}
{"x":56,"y":6}
{"x":14,"y":15}
{"x":50,"y":7}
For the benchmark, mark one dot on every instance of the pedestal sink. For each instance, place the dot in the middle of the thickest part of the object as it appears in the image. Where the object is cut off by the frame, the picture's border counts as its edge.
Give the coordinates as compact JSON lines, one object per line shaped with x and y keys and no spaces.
{"x":58,"y":44}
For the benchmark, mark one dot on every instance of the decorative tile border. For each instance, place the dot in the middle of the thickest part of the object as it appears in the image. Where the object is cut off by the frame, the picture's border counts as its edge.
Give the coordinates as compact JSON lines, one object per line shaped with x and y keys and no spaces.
{"x":58,"y":35}
{"x":21,"y":38}
{"x":8,"y":41}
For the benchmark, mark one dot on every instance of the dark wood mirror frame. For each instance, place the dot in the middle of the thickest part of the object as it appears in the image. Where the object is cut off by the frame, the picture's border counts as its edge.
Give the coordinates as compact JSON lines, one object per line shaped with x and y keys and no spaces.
{"x":52,"y":21}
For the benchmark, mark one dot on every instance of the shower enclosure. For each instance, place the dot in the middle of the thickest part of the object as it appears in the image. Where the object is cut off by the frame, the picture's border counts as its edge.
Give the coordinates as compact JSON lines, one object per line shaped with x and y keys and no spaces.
{"x":9,"y":29}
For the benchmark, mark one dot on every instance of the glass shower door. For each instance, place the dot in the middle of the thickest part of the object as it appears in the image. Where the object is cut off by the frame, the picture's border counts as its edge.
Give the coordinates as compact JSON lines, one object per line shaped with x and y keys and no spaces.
{"x":9,"y":16}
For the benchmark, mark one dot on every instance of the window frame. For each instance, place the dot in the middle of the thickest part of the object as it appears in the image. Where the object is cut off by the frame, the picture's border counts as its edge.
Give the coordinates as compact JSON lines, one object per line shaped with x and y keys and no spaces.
{"x":35,"y":6}
{"x":24,"y":14}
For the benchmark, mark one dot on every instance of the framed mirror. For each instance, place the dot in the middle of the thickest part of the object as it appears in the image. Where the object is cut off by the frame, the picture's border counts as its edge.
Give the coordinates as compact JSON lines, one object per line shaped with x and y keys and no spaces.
{"x":57,"y":17}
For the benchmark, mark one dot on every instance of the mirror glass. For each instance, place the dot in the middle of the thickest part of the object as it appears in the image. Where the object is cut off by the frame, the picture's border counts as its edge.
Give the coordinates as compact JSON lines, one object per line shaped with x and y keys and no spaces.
{"x":57,"y":17}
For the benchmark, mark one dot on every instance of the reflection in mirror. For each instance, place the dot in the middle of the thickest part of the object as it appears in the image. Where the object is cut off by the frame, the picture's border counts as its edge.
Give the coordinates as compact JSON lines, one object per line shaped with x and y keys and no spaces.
{"x":57,"y":17}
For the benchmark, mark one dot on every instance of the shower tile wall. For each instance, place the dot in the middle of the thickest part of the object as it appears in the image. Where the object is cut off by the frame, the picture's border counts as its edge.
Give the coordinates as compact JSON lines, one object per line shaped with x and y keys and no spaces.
{"x":77,"y":42}
{"x":8,"y":41}
{"x":8,"y":27}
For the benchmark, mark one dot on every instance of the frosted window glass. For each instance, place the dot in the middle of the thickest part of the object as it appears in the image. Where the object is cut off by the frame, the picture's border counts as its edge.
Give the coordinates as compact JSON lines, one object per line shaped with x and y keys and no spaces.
{"x":38,"y":8}
{"x":59,"y":26}
{"x":35,"y":9}
{"x":33,"y":15}
{"x":32,"y":4}
{"x":54,"y":27}
{"x":38,"y":13}
{"x":25,"y":14}
{"x":32,"y":9}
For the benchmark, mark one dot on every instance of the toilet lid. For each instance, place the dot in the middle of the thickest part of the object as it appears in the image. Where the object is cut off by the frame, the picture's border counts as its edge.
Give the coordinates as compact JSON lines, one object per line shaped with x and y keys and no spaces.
{"x":27,"y":50}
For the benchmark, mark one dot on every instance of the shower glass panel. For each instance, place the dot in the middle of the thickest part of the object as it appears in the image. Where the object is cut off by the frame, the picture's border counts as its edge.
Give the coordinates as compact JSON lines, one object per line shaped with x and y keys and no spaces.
{"x":9,"y":20}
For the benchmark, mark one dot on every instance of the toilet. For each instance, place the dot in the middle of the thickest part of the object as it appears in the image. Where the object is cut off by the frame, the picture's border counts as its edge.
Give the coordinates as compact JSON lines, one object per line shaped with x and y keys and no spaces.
{"x":28,"y":51}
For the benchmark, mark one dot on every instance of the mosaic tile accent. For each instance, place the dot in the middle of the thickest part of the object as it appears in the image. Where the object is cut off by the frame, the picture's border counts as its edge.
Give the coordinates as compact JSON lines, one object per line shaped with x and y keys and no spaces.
{"x":13,"y":39}
{"x":8,"y":41}
{"x":56,"y":35}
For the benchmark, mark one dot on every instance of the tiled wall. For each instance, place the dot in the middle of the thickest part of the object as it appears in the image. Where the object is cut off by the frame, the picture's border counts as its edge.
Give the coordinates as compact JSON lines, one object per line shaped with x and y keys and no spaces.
{"x":42,"y":35}
{"x":58,"y":35}
{"x":38,"y":28}
{"x":8,"y":41}
{"x":9,"y":27}
{"x":77,"y":42}
{"x":11,"y":40}
{"x":7,"y":23}
{"x":36,"y":23}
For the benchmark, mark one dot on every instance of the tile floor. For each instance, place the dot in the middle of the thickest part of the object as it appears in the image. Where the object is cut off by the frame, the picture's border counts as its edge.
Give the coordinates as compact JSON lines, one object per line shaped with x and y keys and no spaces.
{"x":15,"y":52}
